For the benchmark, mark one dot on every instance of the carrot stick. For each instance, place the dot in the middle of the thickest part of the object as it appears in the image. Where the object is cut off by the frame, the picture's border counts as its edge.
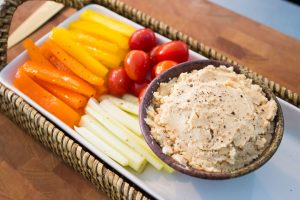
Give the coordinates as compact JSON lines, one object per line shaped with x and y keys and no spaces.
{"x":59,"y":65}
{"x":53,"y":60}
{"x":34,"y":53}
{"x":76,"y":67}
{"x":100,"y":91}
{"x":90,"y":40}
{"x":101,"y":31}
{"x":73,"y":99}
{"x":108,"y":59}
{"x":45,"y":99}
{"x":59,"y":78}
{"x":62,"y":38}
{"x":110,"y":23}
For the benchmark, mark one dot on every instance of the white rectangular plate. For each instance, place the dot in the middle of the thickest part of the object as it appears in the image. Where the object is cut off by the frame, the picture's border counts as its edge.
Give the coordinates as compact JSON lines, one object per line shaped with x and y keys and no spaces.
{"x":277,"y":179}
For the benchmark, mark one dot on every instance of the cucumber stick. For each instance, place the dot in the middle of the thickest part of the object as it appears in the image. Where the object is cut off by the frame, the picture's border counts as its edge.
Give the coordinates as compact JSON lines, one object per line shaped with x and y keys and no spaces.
{"x":121,"y":116}
{"x":131,"y":99}
{"x":102,"y":146}
{"x":135,"y":142}
{"x":124,"y":105}
{"x":135,"y":160}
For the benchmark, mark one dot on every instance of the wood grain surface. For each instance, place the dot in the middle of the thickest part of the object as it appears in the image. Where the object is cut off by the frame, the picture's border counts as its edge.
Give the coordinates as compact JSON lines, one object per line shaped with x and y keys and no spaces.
{"x":30,"y":171}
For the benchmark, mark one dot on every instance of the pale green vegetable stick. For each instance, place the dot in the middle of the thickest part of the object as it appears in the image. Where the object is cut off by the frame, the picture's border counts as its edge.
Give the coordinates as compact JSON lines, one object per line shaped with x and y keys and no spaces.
{"x":135,"y":160}
{"x":102,"y":146}
{"x":131,"y":99}
{"x":121,"y":116}
{"x":129,"y":138}
{"x":124,"y":105}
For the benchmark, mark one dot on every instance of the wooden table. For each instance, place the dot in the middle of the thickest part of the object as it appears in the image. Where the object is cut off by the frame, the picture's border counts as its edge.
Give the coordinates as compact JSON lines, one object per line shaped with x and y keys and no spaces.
{"x":30,"y":171}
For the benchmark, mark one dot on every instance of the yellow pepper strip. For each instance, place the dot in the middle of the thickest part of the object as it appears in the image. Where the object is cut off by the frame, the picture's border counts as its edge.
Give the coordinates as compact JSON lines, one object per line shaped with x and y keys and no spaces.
{"x":101,"y":31}
{"x":111,"y":23}
{"x":108,"y":59}
{"x":87,"y":39}
{"x":62,"y":38}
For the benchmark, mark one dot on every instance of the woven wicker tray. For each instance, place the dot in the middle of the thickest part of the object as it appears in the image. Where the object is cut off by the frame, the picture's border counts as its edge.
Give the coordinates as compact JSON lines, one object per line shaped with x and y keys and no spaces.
{"x":101,"y":175}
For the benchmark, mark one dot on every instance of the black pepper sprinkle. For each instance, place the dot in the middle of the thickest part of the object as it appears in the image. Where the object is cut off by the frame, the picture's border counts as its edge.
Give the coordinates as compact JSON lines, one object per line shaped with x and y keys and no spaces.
{"x":241,"y":96}
{"x":188,"y":100}
{"x":233,"y":113}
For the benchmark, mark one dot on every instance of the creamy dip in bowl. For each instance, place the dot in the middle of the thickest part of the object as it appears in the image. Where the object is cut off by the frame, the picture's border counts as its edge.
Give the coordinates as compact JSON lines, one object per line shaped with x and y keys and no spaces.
{"x":206,"y":119}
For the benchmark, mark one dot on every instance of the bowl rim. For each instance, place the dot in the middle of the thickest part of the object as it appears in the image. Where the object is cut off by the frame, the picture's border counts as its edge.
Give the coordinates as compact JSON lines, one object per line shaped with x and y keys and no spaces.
{"x":197,"y":65}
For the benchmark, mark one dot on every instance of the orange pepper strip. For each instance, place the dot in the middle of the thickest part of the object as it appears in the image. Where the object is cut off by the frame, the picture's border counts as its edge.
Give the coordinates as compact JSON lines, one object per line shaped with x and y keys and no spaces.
{"x":35,"y":54}
{"x":45,"y":99}
{"x":73,"y":99}
{"x":76,"y":67}
{"x":59,"y":78}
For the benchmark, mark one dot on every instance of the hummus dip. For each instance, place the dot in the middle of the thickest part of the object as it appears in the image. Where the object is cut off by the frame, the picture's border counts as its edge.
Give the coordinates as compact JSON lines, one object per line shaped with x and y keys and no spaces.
{"x":211,"y":119}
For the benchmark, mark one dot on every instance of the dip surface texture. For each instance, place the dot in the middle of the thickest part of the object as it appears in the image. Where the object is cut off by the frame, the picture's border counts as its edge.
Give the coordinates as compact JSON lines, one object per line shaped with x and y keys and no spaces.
{"x":211,"y":119}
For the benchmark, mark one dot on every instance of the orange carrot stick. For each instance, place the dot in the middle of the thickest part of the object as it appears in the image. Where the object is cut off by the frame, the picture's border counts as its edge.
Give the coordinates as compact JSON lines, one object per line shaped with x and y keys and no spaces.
{"x":59,"y":78}
{"x":73,"y":99}
{"x":71,"y":63}
{"x":59,"y":65}
{"x":53,"y":60}
{"x":35,"y":54}
{"x":46,"y":99}
{"x":100,"y":91}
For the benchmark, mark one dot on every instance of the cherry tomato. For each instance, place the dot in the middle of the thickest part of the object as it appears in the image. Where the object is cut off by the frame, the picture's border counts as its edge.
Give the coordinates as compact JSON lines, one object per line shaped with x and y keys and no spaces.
{"x":175,"y":50}
{"x":142,"y":92}
{"x":142,"y":39}
{"x":118,"y":82}
{"x":162,"y":66}
{"x":136,"y":65}
{"x":137,"y":87}
{"x":152,"y":55}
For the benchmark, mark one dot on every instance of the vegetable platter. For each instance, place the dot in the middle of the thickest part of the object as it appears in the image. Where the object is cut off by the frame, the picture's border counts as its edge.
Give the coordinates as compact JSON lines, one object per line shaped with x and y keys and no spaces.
{"x":155,"y":178}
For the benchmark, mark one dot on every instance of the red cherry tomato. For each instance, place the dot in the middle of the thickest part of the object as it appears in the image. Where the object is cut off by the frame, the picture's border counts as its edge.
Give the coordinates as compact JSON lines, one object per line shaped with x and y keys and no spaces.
{"x":136,"y":65}
{"x":142,"y":92}
{"x":162,"y":66}
{"x":153,"y":55}
{"x":118,"y":82}
{"x":142,"y":39}
{"x":175,"y":50}
{"x":137,"y":87}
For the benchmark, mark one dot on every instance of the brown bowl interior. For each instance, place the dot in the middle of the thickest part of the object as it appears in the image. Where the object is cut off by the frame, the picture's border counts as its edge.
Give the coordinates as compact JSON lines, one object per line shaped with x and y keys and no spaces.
{"x":196,"y":65}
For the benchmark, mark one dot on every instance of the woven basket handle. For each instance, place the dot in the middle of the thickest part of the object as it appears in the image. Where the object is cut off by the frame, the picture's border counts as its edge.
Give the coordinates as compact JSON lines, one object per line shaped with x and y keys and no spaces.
{"x":7,"y":10}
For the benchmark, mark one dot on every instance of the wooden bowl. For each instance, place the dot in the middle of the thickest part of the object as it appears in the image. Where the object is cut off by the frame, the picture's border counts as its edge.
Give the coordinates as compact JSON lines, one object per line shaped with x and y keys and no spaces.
{"x":197,"y":65}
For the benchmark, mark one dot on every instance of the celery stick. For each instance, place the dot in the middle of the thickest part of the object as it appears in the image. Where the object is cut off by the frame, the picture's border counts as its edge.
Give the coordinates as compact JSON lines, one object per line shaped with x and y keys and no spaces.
{"x":124,"y":105}
{"x":126,"y":136}
{"x":102,"y":146}
{"x":121,"y":116}
{"x":135,"y":160}
{"x":131,"y":99}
